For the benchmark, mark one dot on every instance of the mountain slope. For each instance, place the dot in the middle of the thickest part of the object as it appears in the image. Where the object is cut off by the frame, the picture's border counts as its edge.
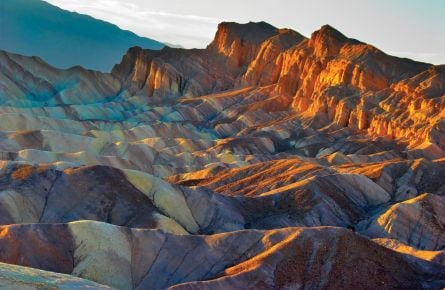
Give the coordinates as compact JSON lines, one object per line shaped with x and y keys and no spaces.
{"x":278,"y":259}
{"x":266,"y":160}
{"x":62,"y":38}
{"x":18,"y":277}
{"x":341,"y":81}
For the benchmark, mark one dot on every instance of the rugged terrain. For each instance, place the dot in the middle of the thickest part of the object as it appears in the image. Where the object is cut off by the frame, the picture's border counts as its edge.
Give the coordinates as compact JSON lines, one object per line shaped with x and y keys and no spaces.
{"x":267,"y":160}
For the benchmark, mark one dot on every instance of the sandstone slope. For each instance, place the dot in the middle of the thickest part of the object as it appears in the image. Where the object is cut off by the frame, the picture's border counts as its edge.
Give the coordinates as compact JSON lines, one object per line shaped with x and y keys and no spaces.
{"x":221,"y":167}
{"x":151,"y":259}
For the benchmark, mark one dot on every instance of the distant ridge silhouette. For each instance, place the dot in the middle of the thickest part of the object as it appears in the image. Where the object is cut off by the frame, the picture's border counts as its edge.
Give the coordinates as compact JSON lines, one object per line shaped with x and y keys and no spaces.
{"x":62,"y":38}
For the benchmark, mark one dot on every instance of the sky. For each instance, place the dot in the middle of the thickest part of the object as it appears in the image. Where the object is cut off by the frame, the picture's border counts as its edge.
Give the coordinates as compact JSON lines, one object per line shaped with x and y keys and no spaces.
{"x":406,"y":28}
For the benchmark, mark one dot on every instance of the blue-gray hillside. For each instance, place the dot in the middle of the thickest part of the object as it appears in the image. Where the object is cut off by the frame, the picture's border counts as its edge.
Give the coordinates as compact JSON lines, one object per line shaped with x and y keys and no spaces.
{"x":62,"y":38}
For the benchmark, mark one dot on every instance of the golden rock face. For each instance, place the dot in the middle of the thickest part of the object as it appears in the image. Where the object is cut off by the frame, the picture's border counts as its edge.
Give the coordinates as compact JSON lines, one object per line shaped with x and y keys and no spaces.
{"x":351,"y":83}
{"x":367,"y":90}
{"x":267,"y":160}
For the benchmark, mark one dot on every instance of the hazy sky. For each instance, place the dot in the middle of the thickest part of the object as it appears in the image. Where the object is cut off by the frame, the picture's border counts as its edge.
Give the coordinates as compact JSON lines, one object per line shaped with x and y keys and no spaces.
{"x":408,"y":28}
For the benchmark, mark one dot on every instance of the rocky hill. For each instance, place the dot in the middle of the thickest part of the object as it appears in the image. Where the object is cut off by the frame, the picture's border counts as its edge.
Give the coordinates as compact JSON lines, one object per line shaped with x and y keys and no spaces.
{"x":267,"y":160}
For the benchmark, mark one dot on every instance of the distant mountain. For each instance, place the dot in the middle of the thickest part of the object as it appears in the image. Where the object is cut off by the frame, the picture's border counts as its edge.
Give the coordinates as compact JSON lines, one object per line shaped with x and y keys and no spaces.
{"x":173,"y":45}
{"x":62,"y":38}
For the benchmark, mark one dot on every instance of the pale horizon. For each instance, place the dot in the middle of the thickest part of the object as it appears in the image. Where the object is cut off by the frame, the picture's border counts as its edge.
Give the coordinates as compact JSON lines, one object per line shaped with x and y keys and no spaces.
{"x":412,"y":28}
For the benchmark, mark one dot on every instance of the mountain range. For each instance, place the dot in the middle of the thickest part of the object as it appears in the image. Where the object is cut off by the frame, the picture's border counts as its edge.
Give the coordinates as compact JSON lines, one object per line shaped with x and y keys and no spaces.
{"x":62,"y":38}
{"x":267,"y":160}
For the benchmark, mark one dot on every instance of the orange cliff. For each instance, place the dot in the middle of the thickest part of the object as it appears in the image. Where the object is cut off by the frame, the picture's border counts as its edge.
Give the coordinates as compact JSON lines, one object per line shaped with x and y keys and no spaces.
{"x":345,"y":81}
{"x":248,"y":157}
{"x":356,"y":85}
{"x":240,"y":43}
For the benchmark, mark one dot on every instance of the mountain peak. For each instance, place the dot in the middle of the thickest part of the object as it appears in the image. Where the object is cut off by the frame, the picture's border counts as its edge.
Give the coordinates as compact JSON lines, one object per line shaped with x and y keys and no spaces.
{"x":240,"y":42}
{"x":251,"y":32}
{"x":327,"y":41}
{"x":328,"y":31}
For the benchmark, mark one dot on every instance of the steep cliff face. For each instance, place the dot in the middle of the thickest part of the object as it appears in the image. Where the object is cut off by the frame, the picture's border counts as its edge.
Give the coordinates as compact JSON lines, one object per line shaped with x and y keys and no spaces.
{"x":264,"y":69}
{"x":350,"y":83}
{"x":250,"y":162}
{"x":240,"y":43}
{"x":179,"y":72}
{"x":172,"y":73}
{"x":160,"y":73}
{"x":355,"y":85}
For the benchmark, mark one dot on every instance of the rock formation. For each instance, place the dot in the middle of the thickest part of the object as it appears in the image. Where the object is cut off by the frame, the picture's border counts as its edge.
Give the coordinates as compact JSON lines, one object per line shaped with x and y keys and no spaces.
{"x":266,"y":160}
{"x":291,"y":257}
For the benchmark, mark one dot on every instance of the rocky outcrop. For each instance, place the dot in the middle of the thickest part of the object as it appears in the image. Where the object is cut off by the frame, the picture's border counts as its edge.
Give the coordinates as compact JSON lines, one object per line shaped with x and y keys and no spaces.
{"x":418,"y":222}
{"x":295,"y":193}
{"x":180,"y":157}
{"x":18,"y":277}
{"x":355,"y":85}
{"x":395,"y":245}
{"x":239,"y":43}
{"x":30,"y":82}
{"x":162,"y":73}
{"x":178,"y":72}
{"x":289,"y":257}
{"x":350,"y":83}
{"x":31,"y":194}
{"x":314,"y":259}
{"x":264,"y":69}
